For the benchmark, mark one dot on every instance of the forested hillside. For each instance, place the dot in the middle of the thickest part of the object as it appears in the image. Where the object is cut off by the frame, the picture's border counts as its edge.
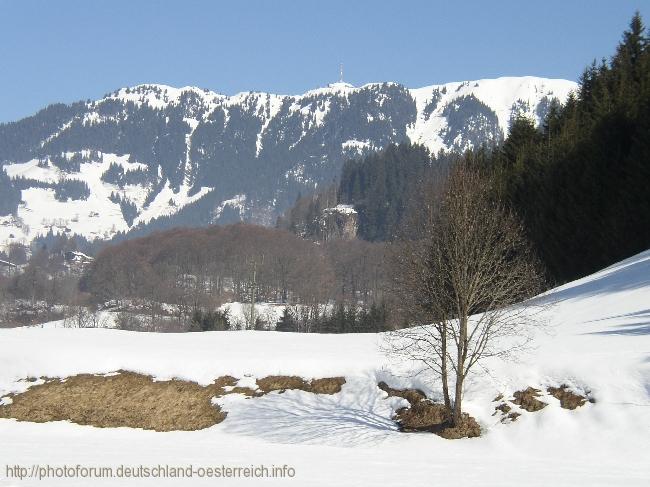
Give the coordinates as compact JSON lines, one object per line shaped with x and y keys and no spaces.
{"x":580,"y":180}
{"x":9,"y":194}
{"x":381,"y":185}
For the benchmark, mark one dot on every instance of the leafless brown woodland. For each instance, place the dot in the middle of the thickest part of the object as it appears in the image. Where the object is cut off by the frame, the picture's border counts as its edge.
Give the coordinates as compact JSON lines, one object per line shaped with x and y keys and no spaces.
{"x":203,"y":268}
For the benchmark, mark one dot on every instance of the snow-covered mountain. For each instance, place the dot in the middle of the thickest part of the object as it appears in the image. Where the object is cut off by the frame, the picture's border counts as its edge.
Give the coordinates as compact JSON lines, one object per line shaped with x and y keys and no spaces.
{"x":153,"y":153}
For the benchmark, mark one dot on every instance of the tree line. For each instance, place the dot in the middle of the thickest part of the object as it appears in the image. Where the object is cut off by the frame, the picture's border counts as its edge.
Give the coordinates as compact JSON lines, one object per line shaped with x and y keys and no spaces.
{"x":39,"y":283}
{"x":202,"y":268}
{"x":581,"y":181}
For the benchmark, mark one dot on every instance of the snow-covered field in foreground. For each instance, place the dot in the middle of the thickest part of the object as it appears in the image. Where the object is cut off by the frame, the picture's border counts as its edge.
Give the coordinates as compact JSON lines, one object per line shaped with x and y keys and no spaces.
{"x":597,"y":339}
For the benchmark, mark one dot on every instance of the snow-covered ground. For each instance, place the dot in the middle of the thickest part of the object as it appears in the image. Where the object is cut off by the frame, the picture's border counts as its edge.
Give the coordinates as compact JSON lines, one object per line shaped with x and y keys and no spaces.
{"x":597,"y":338}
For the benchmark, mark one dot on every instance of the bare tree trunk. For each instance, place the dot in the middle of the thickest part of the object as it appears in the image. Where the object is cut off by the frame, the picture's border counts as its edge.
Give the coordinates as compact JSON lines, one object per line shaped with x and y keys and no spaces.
{"x":458,"y":392}
{"x":444,"y":376}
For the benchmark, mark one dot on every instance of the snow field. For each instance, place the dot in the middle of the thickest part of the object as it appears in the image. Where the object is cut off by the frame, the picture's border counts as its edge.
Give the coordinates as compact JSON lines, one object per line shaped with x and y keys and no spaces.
{"x":596,"y":338}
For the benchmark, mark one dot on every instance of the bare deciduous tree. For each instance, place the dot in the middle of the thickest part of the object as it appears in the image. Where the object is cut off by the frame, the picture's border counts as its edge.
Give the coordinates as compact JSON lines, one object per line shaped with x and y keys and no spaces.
{"x":462,"y":271}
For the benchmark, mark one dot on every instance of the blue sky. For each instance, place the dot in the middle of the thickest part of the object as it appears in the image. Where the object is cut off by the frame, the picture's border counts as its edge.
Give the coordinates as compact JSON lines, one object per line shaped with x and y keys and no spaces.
{"x":62,"y":51}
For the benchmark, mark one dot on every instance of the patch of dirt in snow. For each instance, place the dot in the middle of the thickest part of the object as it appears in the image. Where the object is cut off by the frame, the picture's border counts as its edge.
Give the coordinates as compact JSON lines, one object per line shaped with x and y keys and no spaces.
{"x":503,"y":407}
{"x":512,"y":416}
{"x":425,"y":415}
{"x":507,"y":415}
{"x":568,"y":399}
{"x":527,"y":399}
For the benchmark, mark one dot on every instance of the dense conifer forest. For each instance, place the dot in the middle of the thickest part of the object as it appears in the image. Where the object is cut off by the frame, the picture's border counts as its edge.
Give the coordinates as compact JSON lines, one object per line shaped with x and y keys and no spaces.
{"x":582,"y":182}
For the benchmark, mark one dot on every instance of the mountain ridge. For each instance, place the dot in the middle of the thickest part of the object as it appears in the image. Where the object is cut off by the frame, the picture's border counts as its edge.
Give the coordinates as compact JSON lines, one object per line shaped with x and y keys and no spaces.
{"x":245,"y":156}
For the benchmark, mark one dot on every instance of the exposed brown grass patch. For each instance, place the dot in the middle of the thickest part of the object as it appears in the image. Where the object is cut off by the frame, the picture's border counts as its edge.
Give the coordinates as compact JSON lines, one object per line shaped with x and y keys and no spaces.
{"x":281,"y":383}
{"x":137,"y":401}
{"x":467,"y":428}
{"x":527,"y":399}
{"x":513,"y":416}
{"x":432,"y":417}
{"x":507,"y":414}
{"x":567,"y":398}
{"x":328,"y":385}
{"x":246,"y":391}
{"x":126,"y":399}
{"x":422,"y":416}
{"x":224,"y":381}
{"x":413,"y":396}
{"x":227,"y":381}
{"x":425,"y":415}
{"x":503,"y":407}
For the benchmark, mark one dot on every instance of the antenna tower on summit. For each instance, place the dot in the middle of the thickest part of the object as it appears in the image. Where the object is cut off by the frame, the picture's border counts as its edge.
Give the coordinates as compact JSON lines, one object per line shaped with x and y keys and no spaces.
{"x":341,"y":73}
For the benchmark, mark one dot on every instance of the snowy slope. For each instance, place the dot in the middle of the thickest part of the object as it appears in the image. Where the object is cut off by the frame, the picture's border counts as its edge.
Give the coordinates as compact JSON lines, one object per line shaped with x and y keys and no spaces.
{"x":504,"y":96}
{"x":597,"y":338}
{"x":251,"y":153}
{"x":94,"y":217}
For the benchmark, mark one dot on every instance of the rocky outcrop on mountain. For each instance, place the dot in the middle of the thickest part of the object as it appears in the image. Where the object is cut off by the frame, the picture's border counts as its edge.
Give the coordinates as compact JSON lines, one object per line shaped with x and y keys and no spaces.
{"x":340,"y":222}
